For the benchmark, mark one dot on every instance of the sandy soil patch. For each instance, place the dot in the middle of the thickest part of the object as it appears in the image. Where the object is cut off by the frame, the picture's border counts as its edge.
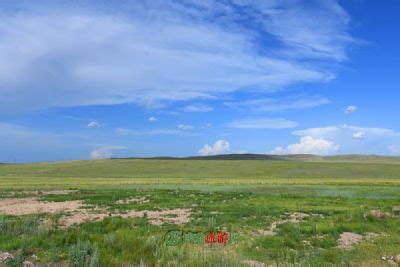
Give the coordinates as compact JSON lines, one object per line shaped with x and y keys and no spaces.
{"x":75,"y":213}
{"x":130,"y":200}
{"x":174,"y":216}
{"x":377,"y":214}
{"x":348,"y":240}
{"x":4,"y":256}
{"x":253,"y":263}
{"x":295,"y":217}
{"x":25,"y":206}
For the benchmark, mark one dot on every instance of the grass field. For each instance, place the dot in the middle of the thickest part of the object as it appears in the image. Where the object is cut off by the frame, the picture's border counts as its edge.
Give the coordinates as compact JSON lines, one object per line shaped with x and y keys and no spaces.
{"x":338,"y":211}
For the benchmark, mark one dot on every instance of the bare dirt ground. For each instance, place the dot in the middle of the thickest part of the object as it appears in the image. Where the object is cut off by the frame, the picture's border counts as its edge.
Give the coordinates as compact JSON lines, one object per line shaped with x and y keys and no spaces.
{"x":74,"y":212}
{"x":295,"y":217}
{"x":348,"y":240}
{"x":25,"y":206}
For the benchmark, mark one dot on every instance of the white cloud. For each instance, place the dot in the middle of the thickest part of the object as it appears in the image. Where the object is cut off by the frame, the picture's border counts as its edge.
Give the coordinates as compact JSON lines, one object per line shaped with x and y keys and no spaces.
{"x":151,"y":132}
{"x":359,"y":135}
{"x":185,"y":127}
{"x":350,"y":110}
{"x":276,"y":105}
{"x":308,"y":145}
{"x":59,"y":56}
{"x":93,"y":124}
{"x":278,"y":151}
{"x":316,"y":31}
{"x":355,"y":139}
{"x":198,"y":108}
{"x":219,"y":147}
{"x":152,"y":119}
{"x":263,"y":124}
{"x":394,"y":149}
{"x":346,"y":131}
{"x":104,"y":152}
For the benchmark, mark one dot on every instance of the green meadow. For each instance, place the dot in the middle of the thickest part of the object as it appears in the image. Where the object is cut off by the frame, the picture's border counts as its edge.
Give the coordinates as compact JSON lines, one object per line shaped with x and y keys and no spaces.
{"x":300,"y":211}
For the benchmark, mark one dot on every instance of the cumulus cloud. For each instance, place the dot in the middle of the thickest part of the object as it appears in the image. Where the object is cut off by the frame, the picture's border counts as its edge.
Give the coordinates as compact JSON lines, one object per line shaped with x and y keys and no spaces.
{"x":198,"y":108}
{"x":185,"y":127}
{"x":93,"y":124}
{"x":219,"y":147}
{"x":152,"y":119}
{"x":308,"y":145}
{"x":355,"y":139}
{"x":263,"y":124}
{"x":350,"y":110}
{"x":104,"y":152}
{"x":55,"y":54}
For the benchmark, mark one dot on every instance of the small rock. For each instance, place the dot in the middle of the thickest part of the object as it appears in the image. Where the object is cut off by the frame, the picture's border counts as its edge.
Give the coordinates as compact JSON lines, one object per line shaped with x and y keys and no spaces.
{"x":28,"y":264}
{"x":347,"y":240}
{"x":377,"y":214}
{"x":396,"y":210}
{"x":397,"y":258}
{"x":4,"y":256}
{"x":253,"y":263}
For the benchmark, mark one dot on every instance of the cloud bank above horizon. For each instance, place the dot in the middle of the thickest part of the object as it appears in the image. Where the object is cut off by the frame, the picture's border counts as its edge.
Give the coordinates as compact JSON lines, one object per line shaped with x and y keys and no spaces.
{"x":97,"y":79}
{"x":155,"y":52}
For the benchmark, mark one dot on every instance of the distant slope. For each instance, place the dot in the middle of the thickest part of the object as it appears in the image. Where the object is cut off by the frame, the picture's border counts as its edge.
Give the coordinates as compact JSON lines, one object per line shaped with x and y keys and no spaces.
{"x":237,"y":166}
{"x":296,"y":157}
{"x":246,"y":156}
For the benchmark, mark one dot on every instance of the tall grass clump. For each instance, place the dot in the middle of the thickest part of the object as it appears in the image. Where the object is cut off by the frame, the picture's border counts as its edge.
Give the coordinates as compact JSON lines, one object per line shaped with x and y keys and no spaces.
{"x":84,"y":254}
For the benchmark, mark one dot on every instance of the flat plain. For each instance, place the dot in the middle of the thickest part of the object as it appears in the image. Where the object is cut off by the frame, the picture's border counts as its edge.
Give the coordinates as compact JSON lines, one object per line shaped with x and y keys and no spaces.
{"x":289,"y":211}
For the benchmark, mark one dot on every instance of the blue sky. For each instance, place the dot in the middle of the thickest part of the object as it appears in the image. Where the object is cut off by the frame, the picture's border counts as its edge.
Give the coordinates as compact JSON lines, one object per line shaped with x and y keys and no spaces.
{"x":96,"y":79}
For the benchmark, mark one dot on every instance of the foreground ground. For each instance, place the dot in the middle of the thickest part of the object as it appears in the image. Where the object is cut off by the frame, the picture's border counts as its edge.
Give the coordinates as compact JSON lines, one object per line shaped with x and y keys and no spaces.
{"x":341,"y":211}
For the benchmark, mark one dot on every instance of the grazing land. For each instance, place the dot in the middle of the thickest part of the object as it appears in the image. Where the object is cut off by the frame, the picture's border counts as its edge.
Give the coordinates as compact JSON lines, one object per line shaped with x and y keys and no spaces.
{"x":283,"y":211}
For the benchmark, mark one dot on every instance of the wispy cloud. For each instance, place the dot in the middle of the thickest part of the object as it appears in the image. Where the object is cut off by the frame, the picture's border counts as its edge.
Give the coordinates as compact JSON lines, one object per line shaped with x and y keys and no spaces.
{"x":52,"y":55}
{"x":263,"y":124}
{"x":93,"y":124}
{"x":277,"y":105}
{"x":151,"y":132}
{"x":198,"y":107}
{"x":185,"y":127}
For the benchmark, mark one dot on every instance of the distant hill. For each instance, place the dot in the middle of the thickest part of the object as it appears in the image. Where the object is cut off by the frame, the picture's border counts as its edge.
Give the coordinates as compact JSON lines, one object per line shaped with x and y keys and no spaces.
{"x":296,"y":157}
{"x":216,"y":157}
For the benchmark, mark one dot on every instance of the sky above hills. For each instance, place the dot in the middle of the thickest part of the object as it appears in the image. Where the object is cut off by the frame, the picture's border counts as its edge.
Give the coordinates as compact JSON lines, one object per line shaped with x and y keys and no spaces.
{"x":95,"y":79}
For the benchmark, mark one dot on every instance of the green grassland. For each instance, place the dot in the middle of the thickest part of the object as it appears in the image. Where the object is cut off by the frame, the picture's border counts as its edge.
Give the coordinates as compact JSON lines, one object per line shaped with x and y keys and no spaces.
{"x":238,"y":196}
